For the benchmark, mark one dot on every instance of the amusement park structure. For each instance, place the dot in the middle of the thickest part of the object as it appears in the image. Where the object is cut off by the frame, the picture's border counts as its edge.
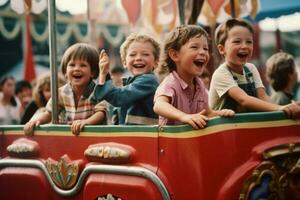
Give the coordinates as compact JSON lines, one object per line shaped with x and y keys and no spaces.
{"x":251,"y":156}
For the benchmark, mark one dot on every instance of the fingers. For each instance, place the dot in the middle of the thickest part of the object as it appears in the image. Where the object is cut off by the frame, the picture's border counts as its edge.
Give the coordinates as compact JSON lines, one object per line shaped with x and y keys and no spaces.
{"x":77,"y":126}
{"x":227,"y":113}
{"x":28,"y":128}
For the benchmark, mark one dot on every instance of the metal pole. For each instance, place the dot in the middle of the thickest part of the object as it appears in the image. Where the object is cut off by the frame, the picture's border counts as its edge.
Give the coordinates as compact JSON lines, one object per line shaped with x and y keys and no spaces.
{"x":53,"y":57}
{"x":233,"y":15}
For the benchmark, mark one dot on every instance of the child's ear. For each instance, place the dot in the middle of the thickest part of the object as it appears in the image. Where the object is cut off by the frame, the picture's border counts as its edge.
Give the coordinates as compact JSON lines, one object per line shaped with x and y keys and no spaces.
{"x":221,"y":49}
{"x":124,"y":63}
{"x":173,"y":55}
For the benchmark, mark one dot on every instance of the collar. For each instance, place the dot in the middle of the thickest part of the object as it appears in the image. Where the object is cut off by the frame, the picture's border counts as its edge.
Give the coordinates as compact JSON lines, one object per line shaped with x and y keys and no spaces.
{"x":87,"y":92}
{"x":182,"y":83}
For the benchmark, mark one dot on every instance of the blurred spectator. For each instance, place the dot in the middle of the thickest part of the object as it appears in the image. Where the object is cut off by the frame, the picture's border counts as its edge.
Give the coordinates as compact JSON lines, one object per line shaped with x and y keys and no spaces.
{"x":24,"y":93}
{"x":41,"y":94}
{"x":9,"y":108}
{"x":116,"y":75}
{"x":282,"y":75}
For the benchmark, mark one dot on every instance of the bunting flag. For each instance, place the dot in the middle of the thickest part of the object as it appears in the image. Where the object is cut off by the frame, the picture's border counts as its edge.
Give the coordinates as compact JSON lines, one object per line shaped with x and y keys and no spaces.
{"x":29,"y":69}
{"x":161,"y":16}
{"x":133,"y":9}
{"x":215,"y":5}
{"x":243,"y":8}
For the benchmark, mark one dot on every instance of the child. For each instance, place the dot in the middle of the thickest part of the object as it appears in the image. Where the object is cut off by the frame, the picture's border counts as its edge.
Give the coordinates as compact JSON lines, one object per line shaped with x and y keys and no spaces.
{"x":24,"y":93}
{"x":182,"y":97}
{"x":9,"y":107}
{"x":139,"y":54}
{"x":282,"y":75}
{"x":80,"y":66}
{"x":236,"y":84}
{"x":41,"y":93}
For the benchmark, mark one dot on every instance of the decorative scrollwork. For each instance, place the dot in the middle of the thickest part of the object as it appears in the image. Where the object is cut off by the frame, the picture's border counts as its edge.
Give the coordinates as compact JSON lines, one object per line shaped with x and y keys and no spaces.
{"x":277,"y":177}
{"x":23,"y":148}
{"x":64,"y":173}
{"x":109,"y":153}
{"x":108,"y":197}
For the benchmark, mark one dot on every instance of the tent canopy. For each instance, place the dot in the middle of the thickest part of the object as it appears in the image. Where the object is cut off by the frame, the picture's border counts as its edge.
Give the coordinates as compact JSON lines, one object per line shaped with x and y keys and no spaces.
{"x":277,"y":8}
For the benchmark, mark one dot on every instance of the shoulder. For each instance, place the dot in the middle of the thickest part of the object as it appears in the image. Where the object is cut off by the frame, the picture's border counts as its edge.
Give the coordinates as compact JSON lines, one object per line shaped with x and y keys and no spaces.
{"x":146,"y":78}
{"x":251,"y":67}
{"x":221,"y":73}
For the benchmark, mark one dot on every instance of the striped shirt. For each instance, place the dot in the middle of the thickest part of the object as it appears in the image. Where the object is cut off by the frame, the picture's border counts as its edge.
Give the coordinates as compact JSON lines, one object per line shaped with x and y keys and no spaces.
{"x":68,"y":112}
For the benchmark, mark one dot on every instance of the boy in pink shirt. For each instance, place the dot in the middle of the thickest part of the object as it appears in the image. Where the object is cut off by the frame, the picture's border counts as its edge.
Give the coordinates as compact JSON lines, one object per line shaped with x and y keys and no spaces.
{"x":182,"y":97}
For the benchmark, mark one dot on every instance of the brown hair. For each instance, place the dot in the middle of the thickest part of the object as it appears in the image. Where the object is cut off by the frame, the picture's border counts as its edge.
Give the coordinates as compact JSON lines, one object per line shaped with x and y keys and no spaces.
{"x":279,"y":67}
{"x":175,"y":40}
{"x":139,"y":38}
{"x":221,"y":33}
{"x":82,"y":51}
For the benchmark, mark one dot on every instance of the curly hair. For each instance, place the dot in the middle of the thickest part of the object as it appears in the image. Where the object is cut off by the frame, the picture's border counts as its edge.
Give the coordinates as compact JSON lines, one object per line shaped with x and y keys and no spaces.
{"x":139,"y":38}
{"x":175,"y":40}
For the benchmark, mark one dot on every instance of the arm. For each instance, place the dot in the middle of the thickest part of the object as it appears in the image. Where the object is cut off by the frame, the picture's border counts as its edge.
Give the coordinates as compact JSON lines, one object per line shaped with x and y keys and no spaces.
{"x":163,"y":108}
{"x":261,"y":94}
{"x":142,"y":86}
{"x":251,"y":102}
{"x":96,"y":118}
{"x":41,"y":118}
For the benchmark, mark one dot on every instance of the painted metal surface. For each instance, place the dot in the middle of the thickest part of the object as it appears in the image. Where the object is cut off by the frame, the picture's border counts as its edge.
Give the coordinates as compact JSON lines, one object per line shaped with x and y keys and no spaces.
{"x":229,"y":159}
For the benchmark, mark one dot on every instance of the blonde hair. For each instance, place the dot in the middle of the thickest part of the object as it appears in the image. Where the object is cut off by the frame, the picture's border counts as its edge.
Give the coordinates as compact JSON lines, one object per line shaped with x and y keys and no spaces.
{"x":139,"y":38}
{"x":42,"y":82}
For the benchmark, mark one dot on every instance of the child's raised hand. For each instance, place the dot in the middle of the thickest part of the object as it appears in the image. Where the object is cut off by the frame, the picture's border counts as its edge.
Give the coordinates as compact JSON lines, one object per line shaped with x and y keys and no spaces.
{"x":103,"y":63}
{"x":197,"y":120}
{"x":29,"y":126}
{"x":226,"y":113}
{"x":77,"y":126}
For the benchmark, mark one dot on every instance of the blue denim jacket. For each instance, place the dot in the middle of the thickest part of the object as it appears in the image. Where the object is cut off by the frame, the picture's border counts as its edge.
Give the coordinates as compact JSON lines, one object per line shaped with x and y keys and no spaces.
{"x":135,"y":98}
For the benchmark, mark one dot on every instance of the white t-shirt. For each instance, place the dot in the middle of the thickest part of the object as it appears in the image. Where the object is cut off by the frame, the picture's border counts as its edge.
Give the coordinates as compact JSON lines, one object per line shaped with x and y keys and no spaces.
{"x":222,"y":80}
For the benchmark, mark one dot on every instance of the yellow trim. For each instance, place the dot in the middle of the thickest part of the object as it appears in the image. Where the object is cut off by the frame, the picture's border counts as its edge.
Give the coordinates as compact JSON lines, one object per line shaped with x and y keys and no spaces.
{"x":224,"y":127}
{"x":186,"y":134}
{"x":88,"y":134}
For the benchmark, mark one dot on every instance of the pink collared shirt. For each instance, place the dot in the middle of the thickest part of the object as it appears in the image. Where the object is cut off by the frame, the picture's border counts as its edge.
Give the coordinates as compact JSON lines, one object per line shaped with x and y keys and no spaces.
{"x":181,"y":96}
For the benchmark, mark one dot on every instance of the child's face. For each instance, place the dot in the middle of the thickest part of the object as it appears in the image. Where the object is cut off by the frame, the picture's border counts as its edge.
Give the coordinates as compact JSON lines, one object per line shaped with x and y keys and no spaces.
{"x":25,"y":96}
{"x":238,"y":47}
{"x":8,"y":88}
{"x":140,"y":58}
{"x":78,"y":73}
{"x":192,"y":57}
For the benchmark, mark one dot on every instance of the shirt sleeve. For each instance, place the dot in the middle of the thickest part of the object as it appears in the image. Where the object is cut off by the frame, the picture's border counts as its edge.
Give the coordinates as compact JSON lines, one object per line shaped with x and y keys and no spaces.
{"x":165,"y":89}
{"x":140,"y":88}
{"x":222,"y":81}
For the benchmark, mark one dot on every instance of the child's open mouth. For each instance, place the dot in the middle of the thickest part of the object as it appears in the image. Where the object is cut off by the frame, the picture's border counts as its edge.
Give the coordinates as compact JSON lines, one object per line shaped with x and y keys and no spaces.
{"x":242,"y":55}
{"x":139,"y":65}
{"x":199,"y":63}
{"x":77,"y":76}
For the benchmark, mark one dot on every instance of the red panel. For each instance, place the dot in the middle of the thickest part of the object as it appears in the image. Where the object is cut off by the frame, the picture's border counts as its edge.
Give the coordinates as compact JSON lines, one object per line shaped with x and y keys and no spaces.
{"x":124,"y":187}
{"x":23,"y":183}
